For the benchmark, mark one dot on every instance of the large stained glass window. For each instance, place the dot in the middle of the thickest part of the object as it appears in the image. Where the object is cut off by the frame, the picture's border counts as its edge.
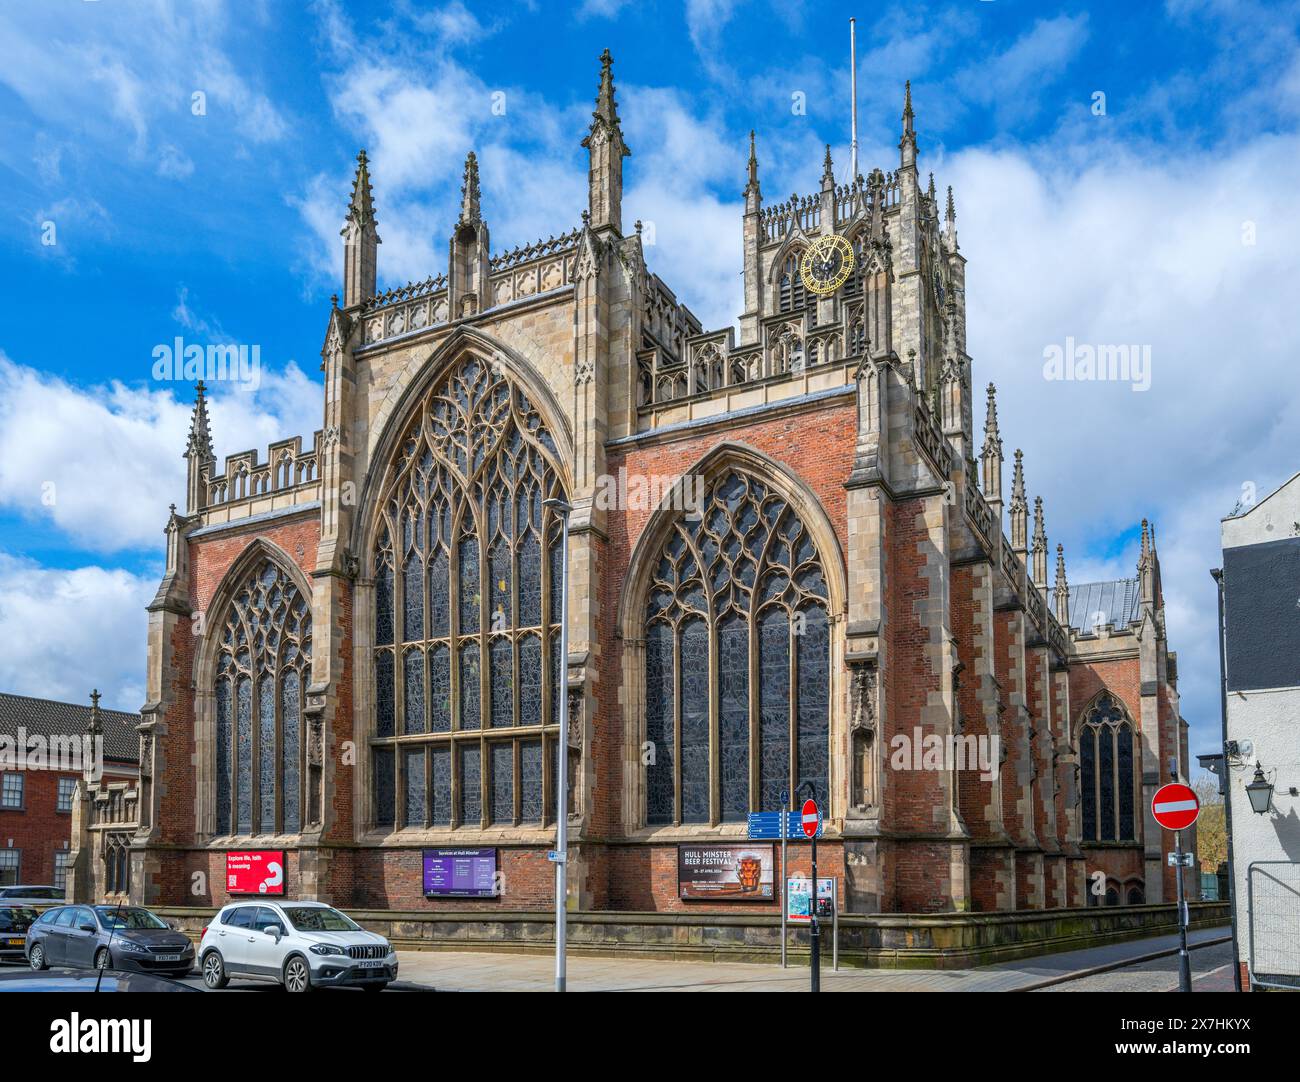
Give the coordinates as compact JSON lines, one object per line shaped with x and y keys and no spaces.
{"x":467,"y":608}
{"x":737,"y":645}
{"x":263,"y":664}
{"x":1106,"y":777}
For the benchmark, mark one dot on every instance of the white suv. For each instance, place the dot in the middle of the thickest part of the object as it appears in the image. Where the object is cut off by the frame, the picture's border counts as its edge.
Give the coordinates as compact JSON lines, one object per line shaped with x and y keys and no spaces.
{"x":301,"y":945}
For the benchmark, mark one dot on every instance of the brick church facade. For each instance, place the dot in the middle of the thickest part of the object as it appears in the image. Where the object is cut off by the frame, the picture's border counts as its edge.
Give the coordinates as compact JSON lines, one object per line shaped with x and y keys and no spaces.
{"x":354,"y":652}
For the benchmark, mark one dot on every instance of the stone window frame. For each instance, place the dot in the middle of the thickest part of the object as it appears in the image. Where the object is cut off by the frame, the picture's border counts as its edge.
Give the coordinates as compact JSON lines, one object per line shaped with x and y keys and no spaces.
{"x":631,"y":623}
{"x":392,"y":422}
{"x":1095,"y":729}
{"x":258,"y":550}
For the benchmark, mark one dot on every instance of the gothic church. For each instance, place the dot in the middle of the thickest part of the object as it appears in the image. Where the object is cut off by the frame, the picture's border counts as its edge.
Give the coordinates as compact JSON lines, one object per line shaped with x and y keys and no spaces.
{"x":354,"y":653}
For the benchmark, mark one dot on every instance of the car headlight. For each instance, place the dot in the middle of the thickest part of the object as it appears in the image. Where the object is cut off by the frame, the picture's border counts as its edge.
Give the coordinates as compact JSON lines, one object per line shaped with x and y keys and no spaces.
{"x":131,"y":948}
{"x":325,"y":949}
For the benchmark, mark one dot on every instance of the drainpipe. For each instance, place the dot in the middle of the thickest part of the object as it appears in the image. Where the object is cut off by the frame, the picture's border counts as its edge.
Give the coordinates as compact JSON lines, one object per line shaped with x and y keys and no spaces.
{"x":1217,"y":575}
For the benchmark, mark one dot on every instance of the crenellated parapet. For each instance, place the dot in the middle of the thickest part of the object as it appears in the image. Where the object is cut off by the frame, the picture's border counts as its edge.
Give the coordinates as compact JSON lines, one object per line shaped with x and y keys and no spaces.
{"x":289,"y":476}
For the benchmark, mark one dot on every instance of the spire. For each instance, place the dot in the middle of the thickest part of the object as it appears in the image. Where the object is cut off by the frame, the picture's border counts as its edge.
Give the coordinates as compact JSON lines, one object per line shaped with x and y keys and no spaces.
{"x":606,"y":106}
{"x":1040,"y":546}
{"x":469,"y":193}
{"x":200,"y":442}
{"x":951,"y":222}
{"x":828,"y":170}
{"x":361,"y":207}
{"x":1018,"y":507}
{"x":96,"y":725}
{"x":199,"y":456}
{"x":930,"y":194}
{"x":753,"y":196}
{"x":992,"y":451}
{"x":1062,"y":589}
{"x":360,"y":239}
{"x":952,"y":209}
{"x":907,"y":144}
{"x":606,"y":149}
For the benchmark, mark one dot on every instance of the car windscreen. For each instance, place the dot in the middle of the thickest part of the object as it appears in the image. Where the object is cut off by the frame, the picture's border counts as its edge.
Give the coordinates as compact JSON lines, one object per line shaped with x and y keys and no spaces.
{"x":127,"y":920}
{"x":14,"y":919}
{"x":38,"y":894}
{"x":319,"y":919}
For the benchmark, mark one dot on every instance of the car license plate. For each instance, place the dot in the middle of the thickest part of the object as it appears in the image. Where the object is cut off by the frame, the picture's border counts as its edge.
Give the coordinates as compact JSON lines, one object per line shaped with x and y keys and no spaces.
{"x":16,"y":942}
{"x":371,"y":965}
{"x":167,"y":957}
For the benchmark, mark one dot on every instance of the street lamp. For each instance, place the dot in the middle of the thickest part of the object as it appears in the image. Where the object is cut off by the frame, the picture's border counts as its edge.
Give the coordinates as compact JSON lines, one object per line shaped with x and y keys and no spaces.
{"x":562,"y":508}
{"x":1259,"y":792}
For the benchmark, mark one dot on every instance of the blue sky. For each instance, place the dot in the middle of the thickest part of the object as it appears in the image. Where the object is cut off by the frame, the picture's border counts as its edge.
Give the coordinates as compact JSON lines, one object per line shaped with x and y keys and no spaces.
{"x":222,"y":225}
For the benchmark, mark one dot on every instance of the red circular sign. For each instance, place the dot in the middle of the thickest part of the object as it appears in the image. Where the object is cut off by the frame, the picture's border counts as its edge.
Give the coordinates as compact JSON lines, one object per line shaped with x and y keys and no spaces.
{"x":1175,"y":806}
{"x":810,"y":818}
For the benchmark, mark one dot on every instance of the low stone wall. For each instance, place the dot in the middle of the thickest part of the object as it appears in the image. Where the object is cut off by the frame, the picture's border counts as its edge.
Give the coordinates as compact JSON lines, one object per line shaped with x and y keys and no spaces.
{"x":900,"y":941}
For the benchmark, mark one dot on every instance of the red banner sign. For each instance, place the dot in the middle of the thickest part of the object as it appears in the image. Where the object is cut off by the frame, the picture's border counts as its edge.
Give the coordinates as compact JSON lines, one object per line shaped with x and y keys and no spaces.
{"x":257,"y":872}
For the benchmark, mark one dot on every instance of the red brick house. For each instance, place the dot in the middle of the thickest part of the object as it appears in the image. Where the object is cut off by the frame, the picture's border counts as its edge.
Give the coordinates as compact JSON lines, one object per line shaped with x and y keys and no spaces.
{"x":44,"y":756}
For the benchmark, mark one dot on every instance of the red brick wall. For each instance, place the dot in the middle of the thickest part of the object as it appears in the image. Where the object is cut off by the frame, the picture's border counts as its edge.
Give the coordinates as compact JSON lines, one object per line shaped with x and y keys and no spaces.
{"x":38,"y":829}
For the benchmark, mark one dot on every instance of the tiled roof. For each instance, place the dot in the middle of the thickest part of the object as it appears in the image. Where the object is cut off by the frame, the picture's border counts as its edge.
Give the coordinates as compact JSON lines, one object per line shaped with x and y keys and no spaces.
{"x":47,"y":718}
{"x":1093,"y":603}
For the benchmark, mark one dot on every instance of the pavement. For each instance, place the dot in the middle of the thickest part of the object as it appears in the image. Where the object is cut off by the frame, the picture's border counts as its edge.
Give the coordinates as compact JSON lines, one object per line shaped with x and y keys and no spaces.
{"x":456,"y":971}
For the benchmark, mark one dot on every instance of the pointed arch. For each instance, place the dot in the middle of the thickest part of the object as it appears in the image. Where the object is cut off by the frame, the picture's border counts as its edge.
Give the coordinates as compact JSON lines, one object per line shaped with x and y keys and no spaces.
{"x":457,"y":608}
{"x":404,"y":400}
{"x":706,"y":471}
{"x":1110,"y":773}
{"x":273,"y":627}
{"x":731,"y":621}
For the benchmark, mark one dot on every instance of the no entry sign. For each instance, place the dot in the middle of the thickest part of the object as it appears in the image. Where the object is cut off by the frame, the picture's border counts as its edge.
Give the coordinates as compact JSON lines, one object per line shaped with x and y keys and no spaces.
{"x":1175,"y":806}
{"x":810,"y":818}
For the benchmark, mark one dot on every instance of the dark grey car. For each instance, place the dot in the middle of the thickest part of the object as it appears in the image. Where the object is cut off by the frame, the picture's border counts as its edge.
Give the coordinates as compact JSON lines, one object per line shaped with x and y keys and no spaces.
{"x":108,"y":937}
{"x":14,"y":922}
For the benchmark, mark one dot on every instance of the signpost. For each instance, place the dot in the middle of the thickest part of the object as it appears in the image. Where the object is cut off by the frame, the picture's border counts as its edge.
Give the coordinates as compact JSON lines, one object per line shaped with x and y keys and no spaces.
{"x":811,"y":828}
{"x":787,"y":825}
{"x":1175,"y":807}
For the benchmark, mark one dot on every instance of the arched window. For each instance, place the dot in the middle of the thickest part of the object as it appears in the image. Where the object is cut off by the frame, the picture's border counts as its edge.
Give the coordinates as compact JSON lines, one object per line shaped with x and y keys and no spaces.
{"x":262,"y":669}
{"x":737,"y":658}
{"x":467,"y":608}
{"x":791,"y":296}
{"x":1106,"y":758}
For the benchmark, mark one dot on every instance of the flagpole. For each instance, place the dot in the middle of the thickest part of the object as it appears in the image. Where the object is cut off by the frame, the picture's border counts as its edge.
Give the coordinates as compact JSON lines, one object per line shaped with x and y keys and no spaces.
{"x":853,"y":93}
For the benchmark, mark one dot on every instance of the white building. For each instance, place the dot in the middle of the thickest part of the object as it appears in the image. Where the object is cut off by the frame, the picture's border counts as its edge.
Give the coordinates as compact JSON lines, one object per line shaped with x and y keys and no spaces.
{"x":1261,"y":628}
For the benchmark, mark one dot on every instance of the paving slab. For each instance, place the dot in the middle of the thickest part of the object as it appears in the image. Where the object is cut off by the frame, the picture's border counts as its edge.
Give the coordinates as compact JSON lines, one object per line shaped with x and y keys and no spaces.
{"x":457,"y":971}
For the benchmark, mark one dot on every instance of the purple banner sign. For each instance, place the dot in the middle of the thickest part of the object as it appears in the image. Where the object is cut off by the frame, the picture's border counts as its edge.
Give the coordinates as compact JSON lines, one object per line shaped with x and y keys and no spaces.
{"x":460,"y":873}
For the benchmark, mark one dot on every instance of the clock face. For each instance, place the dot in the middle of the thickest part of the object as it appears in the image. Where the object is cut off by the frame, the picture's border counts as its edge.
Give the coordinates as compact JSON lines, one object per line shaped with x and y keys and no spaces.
{"x":826,"y":265}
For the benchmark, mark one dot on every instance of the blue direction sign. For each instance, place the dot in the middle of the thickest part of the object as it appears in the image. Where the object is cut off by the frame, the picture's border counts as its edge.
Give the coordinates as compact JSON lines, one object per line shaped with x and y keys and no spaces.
{"x":766,"y":826}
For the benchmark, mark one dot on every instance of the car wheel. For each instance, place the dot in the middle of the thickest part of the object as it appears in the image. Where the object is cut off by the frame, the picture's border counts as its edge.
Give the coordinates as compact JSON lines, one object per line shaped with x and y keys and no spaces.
{"x":103,"y":959}
{"x":36,"y":959}
{"x":375,"y":987}
{"x":297,"y":975}
{"x":214,"y":971}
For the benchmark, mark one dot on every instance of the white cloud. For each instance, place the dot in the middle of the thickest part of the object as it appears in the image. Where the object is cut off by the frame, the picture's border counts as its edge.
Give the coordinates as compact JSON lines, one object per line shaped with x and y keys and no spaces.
{"x":1149,"y":251}
{"x":92,"y":632}
{"x":100,"y":464}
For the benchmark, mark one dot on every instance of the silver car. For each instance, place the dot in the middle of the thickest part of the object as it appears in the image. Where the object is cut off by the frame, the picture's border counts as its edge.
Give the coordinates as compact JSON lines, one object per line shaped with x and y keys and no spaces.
{"x":301,"y":945}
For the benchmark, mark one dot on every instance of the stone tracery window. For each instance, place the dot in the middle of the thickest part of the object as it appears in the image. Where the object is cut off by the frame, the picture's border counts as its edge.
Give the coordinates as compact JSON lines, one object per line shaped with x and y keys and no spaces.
{"x":467,"y":606}
{"x":737,"y":656}
{"x":791,"y":295}
{"x":263,"y":664}
{"x":1106,"y":760}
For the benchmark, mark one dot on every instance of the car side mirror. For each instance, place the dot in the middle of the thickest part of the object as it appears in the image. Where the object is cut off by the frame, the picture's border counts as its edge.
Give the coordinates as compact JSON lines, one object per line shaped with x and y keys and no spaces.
{"x":86,"y":926}
{"x":273,"y":932}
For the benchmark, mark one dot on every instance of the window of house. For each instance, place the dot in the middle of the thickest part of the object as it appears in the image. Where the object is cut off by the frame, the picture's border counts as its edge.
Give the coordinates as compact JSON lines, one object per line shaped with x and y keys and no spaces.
{"x":11,"y":790}
{"x":62,"y":862}
{"x":11,"y":863}
{"x":737,"y":649}
{"x":467,"y":568}
{"x":67,"y":789}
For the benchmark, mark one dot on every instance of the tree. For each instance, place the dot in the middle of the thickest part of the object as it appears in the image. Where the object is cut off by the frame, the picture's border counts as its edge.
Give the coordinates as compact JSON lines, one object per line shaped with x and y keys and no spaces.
{"x":1211,"y":828}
